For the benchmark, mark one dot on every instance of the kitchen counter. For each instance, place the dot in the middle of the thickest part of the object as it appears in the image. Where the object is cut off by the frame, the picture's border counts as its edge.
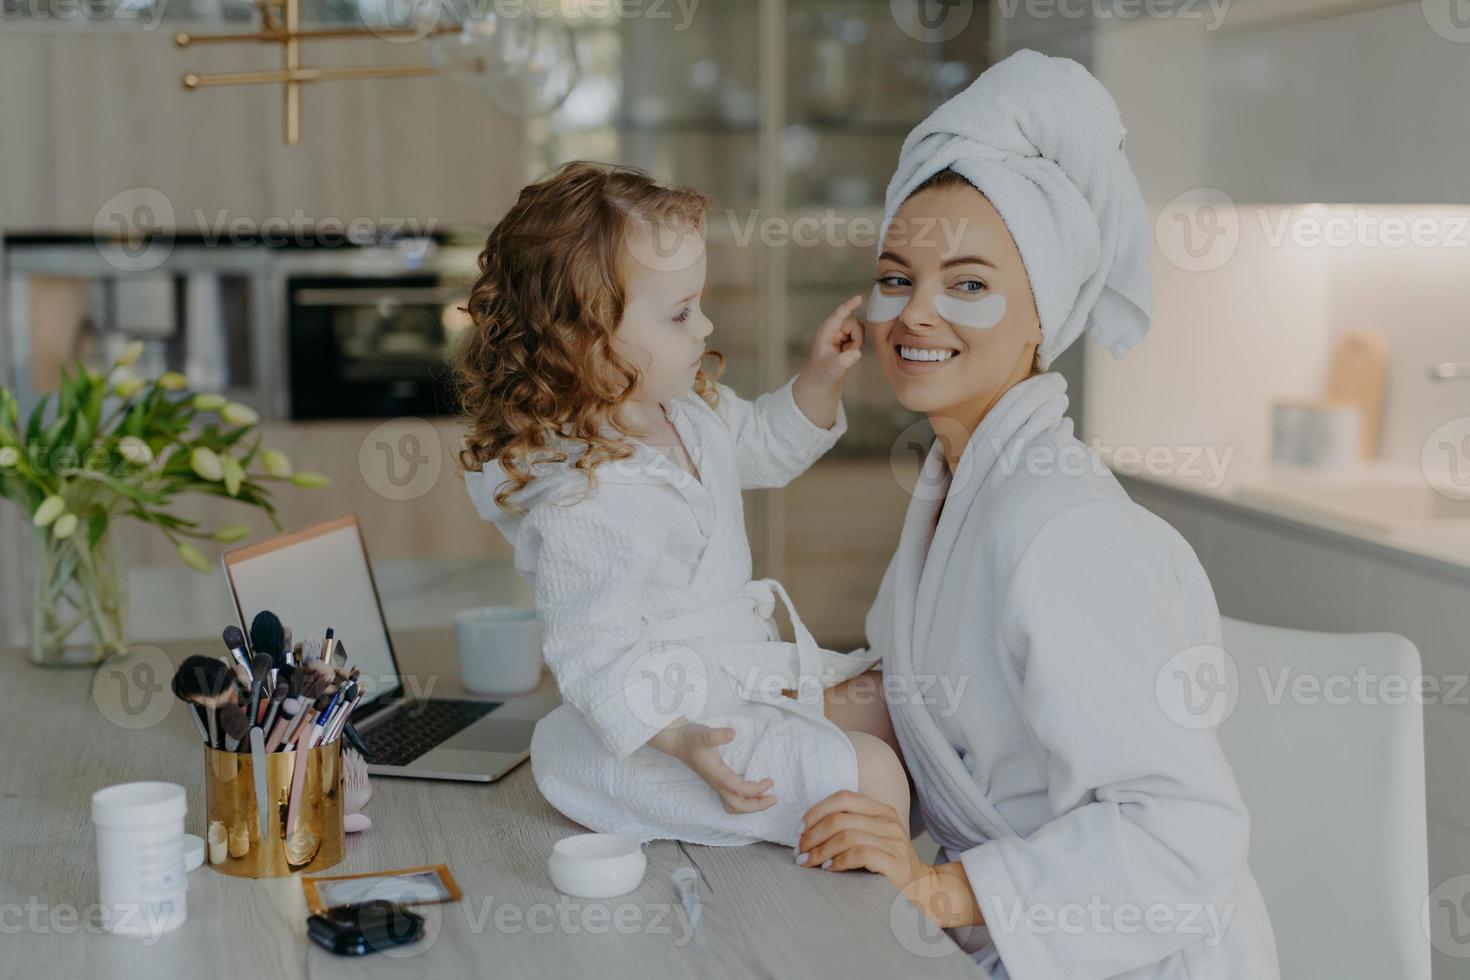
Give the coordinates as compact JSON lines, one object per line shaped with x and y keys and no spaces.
{"x":1390,"y":509}
{"x":763,"y":915}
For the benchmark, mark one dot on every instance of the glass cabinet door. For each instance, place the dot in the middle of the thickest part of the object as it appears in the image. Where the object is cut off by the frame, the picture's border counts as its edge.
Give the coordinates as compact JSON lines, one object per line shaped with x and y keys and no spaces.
{"x":856,"y":84}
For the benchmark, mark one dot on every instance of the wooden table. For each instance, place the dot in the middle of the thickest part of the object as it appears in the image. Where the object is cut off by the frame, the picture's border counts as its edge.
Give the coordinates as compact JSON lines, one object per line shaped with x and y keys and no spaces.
{"x":67,"y":733}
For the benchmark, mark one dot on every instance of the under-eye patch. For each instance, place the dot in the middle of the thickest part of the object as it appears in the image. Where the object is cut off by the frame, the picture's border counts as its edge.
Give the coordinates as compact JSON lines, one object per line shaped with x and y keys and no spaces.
{"x":978,"y":314}
{"x":882,"y":308}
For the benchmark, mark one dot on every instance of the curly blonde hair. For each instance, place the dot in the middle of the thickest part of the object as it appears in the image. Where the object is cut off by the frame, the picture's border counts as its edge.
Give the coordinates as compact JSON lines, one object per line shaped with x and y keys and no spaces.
{"x":538,"y":360}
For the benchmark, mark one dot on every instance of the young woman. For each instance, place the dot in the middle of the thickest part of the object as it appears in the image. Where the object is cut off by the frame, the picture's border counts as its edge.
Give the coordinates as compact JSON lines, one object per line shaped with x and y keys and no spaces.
{"x":1089,"y":829}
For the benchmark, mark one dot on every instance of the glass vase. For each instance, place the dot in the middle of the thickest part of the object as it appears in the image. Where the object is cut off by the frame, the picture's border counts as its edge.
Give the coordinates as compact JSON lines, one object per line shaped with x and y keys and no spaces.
{"x":79,"y":611}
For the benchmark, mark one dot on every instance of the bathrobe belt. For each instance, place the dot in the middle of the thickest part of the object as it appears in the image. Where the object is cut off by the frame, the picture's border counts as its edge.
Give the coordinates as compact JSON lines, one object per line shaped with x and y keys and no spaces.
{"x":802,"y":666}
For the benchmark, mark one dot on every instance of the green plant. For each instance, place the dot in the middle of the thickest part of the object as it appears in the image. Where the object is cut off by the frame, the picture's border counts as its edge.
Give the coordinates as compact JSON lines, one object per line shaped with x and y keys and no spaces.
{"x":117,"y":446}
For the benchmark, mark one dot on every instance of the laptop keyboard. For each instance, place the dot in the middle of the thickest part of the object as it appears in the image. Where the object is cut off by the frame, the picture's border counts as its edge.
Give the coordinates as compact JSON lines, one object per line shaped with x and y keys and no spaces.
{"x":413,"y":730}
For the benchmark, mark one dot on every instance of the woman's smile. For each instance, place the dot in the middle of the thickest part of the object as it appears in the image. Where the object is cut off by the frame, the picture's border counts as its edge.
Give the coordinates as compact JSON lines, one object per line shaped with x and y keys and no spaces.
{"x":916,"y":355}
{"x":924,"y":358}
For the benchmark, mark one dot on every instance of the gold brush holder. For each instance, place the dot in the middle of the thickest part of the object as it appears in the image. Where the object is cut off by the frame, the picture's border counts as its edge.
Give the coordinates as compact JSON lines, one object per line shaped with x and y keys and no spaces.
{"x":233,"y":840}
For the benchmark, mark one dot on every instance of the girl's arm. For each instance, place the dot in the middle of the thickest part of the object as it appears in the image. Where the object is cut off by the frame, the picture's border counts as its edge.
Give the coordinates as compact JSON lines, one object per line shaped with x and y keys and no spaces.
{"x":780,"y":434}
{"x":837,"y":346}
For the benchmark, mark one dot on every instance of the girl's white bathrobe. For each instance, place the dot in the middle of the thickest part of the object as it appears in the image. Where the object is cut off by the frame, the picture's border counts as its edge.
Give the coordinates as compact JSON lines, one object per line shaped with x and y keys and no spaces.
{"x":649,"y":613}
{"x":1024,"y":640}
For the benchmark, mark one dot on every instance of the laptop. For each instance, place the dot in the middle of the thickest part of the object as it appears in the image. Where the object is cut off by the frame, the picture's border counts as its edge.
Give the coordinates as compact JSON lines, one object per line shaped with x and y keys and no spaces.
{"x":319,"y":577}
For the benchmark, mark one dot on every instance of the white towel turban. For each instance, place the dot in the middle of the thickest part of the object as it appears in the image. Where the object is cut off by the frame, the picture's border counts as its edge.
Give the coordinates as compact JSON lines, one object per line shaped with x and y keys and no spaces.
{"x":1042,"y":139}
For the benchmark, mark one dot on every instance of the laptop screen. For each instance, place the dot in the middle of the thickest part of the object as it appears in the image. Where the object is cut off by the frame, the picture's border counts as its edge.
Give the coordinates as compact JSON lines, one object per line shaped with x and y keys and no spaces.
{"x":315,"y":578}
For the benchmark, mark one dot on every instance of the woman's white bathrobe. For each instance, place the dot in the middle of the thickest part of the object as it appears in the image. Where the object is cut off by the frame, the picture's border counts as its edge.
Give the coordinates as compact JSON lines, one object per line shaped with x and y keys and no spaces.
{"x":649,"y":613}
{"x":1024,"y":638}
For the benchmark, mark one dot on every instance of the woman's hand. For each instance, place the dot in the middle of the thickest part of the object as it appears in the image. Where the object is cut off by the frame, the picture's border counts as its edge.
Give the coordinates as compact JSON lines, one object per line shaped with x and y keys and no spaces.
{"x":848,"y":830}
{"x":698,"y":747}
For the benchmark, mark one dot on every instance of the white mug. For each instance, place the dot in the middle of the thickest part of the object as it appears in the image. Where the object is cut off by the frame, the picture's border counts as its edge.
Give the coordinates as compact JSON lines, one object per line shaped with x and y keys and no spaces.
{"x":499,"y":649}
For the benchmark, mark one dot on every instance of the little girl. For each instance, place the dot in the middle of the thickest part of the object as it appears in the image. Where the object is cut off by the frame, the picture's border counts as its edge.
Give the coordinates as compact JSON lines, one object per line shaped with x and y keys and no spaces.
{"x":613,"y":463}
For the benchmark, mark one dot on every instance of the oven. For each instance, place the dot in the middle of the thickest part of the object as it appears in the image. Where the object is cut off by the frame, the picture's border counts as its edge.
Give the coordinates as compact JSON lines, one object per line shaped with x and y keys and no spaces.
{"x":371,"y":346}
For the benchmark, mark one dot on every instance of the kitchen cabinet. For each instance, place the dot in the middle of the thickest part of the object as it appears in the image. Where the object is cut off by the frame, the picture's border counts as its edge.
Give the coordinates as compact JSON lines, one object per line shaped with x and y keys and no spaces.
{"x":90,"y":114}
{"x":1376,"y":112}
{"x":1296,"y":101}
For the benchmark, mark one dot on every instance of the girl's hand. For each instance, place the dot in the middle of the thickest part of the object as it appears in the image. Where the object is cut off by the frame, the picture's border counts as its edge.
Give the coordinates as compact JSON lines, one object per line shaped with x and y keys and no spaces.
{"x":848,"y":831}
{"x":697,"y":746}
{"x":838,"y":344}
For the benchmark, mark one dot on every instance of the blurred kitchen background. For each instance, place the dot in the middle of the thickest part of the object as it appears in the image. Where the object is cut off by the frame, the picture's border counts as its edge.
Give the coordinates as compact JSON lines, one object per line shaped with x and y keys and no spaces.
{"x":1300,"y":411}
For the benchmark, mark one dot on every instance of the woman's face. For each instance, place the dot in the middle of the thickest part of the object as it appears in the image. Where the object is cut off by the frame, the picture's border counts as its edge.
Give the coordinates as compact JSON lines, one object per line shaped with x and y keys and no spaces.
{"x":952,"y":318}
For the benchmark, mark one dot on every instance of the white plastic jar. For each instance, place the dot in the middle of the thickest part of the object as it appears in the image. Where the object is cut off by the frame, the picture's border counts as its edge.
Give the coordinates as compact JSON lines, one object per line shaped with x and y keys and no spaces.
{"x":140,"y":857}
{"x":596,"y":865}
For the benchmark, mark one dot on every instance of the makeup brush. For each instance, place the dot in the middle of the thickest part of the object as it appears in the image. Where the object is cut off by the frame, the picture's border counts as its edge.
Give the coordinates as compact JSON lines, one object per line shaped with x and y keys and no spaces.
{"x":355,"y":740}
{"x":277,"y":696}
{"x":322,"y":671}
{"x":195,"y":713}
{"x":283,"y":724}
{"x":257,"y":766}
{"x":349,"y":695}
{"x":208,"y":683}
{"x":298,"y":770}
{"x":237,"y":727}
{"x":259,"y":671}
{"x":239,"y":655}
{"x":313,"y":690}
{"x":267,"y":635}
{"x":329,"y":644}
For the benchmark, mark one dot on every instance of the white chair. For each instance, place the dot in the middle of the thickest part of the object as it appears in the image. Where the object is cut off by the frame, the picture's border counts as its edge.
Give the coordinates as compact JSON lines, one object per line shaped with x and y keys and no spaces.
{"x":1336,"y":795}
